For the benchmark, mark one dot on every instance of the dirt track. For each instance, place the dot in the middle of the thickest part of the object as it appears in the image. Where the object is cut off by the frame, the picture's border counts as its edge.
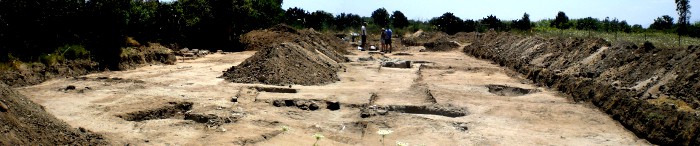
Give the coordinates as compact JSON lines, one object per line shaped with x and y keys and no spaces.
{"x":451,"y":79}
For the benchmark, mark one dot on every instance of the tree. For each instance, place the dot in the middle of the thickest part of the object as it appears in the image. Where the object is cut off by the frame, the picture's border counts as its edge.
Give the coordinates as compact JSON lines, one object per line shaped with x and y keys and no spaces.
{"x":637,"y":28}
{"x":398,"y":20}
{"x":624,"y":27}
{"x":588,"y":23}
{"x":683,"y":8}
{"x":343,"y":21}
{"x":561,"y":21}
{"x":295,"y":17}
{"x":33,"y":28}
{"x":470,"y":25}
{"x":664,"y":22}
{"x":493,"y":23}
{"x":381,"y":17}
{"x":524,"y":23}
{"x":319,"y":20}
{"x":448,"y":23}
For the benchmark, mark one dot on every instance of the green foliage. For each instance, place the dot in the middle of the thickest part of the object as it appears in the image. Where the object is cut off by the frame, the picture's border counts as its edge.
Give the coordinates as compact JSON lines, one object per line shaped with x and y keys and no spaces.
{"x":380,"y":17}
{"x":524,"y":23}
{"x":398,"y":20}
{"x":73,"y":52}
{"x":448,"y":23}
{"x":415,"y":25}
{"x":320,"y":20}
{"x":659,"y":39}
{"x":50,"y":59}
{"x":664,"y":22}
{"x":683,"y":8}
{"x":470,"y":25}
{"x":637,"y":28}
{"x":492,"y":22}
{"x":295,"y":17}
{"x":345,"y":21}
{"x":588,"y":23}
{"x":5,"y":66}
{"x":561,"y":21}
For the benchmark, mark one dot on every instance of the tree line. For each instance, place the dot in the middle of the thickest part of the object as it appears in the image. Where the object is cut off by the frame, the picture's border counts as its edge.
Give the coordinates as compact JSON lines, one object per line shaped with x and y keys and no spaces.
{"x":32,"y":28}
{"x":97,"y":29}
{"x":321,"y":20}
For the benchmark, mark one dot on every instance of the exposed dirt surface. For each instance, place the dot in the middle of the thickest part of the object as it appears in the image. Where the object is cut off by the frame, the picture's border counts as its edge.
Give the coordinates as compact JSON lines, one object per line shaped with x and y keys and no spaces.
{"x":287,"y":56}
{"x":35,"y":73}
{"x":285,"y":64}
{"x":432,"y":41}
{"x":652,"y":91}
{"x":328,"y":44}
{"x":23,"y":122}
{"x":442,"y":99}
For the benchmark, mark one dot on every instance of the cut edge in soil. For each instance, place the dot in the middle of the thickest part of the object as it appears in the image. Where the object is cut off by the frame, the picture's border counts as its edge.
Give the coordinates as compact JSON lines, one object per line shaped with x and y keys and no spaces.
{"x":503,"y":90}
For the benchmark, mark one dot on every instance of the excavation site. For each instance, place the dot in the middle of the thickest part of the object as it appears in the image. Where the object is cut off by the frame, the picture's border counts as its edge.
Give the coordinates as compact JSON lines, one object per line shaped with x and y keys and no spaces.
{"x":249,"y":73}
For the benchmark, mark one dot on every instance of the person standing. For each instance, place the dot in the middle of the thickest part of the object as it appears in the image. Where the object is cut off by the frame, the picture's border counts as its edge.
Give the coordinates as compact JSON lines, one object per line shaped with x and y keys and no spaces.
{"x":364,"y":36}
{"x":382,"y":38}
{"x":387,"y":40}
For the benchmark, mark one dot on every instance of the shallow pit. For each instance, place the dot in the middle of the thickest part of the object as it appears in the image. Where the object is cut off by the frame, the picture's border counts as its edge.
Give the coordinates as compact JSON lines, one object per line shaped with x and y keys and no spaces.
{"x":503,"y":90}
{"x":167,"y":111}
{"x":276,"y":90}
{"x":447,"y":111}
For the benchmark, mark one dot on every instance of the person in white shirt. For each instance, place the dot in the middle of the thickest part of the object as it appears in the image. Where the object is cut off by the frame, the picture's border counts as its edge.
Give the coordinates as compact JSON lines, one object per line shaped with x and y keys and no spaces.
{"x":364,"y":36}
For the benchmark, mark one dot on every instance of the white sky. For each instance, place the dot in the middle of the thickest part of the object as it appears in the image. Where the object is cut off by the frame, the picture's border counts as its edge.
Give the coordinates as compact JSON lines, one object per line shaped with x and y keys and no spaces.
{"x":634,"y":11}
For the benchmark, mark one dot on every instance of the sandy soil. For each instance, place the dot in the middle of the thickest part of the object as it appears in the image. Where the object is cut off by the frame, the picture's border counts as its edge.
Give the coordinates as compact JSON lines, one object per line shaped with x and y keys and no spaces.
{"x":449,"y":79}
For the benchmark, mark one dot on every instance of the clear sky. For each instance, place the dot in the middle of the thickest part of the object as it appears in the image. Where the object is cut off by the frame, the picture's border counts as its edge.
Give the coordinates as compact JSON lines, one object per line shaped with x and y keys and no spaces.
{"x":634,"y":11}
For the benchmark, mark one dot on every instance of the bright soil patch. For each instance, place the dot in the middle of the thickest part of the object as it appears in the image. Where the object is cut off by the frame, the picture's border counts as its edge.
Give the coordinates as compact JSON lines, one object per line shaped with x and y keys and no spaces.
{"x":408,"y":102}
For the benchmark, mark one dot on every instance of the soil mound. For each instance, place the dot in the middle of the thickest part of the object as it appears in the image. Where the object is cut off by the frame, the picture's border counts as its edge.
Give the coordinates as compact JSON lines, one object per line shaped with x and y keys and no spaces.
{"x":23,"y":122}
{"x":307,"y":38}
{"x":432,"y":41}
{"x":651,"y":91}
{"x":287,"y":63}
{"x":420,"y":37}
{"x":26,"y":74}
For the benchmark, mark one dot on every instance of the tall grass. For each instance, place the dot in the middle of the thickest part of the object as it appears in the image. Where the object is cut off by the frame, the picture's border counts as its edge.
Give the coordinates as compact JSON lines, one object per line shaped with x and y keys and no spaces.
{"x":659,"y":39}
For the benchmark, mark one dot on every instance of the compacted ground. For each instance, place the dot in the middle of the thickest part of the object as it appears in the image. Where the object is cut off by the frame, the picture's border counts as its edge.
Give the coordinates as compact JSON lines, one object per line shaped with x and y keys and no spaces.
{"x":445,"y":98}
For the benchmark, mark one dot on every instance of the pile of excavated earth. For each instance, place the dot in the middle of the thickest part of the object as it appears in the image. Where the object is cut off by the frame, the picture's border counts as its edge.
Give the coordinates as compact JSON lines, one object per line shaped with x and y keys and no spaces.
{"x":23,"y":122}
{"x":651,"y":91}
{"x":432,"y":41}
{"x":286,"y":56}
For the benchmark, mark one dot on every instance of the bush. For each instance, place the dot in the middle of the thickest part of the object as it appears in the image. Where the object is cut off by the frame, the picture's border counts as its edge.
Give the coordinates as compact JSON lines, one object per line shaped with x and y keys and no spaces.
{"x":50,"y":59}
{"x":5,"y":66}
{"x":72,"y":52}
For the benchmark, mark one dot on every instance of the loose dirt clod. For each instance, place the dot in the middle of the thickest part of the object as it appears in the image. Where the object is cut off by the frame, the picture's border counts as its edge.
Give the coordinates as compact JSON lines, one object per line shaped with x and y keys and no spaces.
{"x":332,"y":105}
{"x":3,"y":107}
